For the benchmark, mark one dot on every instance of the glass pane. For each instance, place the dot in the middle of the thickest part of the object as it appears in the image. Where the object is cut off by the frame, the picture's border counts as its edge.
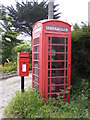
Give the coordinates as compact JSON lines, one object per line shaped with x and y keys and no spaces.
{"x":66,"y":64}
{"x":58,"y":48}
{"x":36,"y":64}
{"x":54,"y":96}
{"x":58,"y":40}
{"x":48,"y":65}
{"x":65,"y":87}
{"x":49,"y":56}
{"x":66,"y":56}
{"x":36,"y":41}
{"x":56,"y":88}
{"x":57,"y":64}
{"x":66,"y":96}
{"x":36,"y":86}
{"x":57,"y":56}
{"x":66,"y":49}
{"x":66,"y":80}
{"x":49,"y":48}
{"x":36,"y":56}
{"x":36,"y":49}
{"x":48,"y":73}
{"x":66,"y":72}
{"x":66,"y":40}
{"x":36,"y":71}
{"x":49,"y":40}
{"x":48,"y":89}
{"x":57,"y":80}
{"x":48,"y":81}
{"x":57,"y":73}
{"x":35,"y":78}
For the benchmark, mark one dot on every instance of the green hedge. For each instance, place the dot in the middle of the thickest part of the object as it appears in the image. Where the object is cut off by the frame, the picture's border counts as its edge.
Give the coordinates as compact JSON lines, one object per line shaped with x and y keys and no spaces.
{"x":80,"y":56}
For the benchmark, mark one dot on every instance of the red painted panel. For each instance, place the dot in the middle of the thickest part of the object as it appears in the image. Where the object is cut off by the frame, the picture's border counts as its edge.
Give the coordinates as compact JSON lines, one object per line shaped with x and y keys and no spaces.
{"x":23,"y":64}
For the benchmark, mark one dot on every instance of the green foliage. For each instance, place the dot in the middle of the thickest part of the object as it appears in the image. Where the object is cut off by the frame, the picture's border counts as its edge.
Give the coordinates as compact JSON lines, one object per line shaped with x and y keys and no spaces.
{"x":31,"y":105}
{"x":2,"y":11}
{"x":80,"y":56}
{"x":22,"y":48}
{"x":76,"y":27}
{"x":9,"y":36}
{"x":12,"y":66}
{"x":9,"y":41}
{"x":27,"y":13}
{"x":0,"y":52}
{"x":8,"y":67}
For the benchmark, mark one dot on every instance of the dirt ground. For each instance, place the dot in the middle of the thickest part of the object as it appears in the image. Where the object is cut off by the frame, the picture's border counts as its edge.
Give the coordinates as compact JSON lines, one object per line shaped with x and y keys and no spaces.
{"x":8,"y":88}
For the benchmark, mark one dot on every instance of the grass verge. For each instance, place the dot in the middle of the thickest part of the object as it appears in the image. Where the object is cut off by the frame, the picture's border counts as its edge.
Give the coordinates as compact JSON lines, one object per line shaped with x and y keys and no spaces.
{"x":31,"y":105}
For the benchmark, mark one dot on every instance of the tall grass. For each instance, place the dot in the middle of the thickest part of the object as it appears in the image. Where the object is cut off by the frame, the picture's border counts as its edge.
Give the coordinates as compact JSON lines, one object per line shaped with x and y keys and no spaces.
{"x":31,"y":105}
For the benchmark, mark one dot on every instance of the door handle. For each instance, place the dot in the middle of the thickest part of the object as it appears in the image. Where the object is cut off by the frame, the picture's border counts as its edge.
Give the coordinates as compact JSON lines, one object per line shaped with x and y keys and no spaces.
{"x":69,"y":64}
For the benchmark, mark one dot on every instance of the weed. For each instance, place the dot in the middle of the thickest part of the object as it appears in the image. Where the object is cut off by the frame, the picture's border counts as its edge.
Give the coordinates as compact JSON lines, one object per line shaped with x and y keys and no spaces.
{"x":30,"y":104}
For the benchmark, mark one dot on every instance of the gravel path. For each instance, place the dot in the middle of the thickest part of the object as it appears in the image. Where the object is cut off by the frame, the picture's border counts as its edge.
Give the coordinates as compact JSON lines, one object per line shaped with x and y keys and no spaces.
{"x":8,"y":87}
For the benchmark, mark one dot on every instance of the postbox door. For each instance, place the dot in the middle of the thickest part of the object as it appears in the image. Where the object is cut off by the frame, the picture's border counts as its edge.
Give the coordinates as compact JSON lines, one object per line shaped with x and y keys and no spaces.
{"x":24,"y":68}
{"x":58,"y":65}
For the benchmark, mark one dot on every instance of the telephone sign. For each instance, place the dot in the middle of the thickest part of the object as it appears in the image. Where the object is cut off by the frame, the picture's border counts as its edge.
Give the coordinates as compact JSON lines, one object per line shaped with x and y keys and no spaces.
{"x":57,"y":28}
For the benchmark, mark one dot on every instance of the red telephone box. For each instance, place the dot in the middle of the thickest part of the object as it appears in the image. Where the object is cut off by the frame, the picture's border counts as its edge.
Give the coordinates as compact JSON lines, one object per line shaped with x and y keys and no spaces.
{"x":51,"y":58}
{"x":23,"y":64}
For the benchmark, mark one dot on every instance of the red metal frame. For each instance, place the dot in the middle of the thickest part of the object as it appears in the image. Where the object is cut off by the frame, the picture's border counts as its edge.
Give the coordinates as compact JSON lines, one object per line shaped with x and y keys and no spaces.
{"x":43,"y":34}
{"x":50,"y":63}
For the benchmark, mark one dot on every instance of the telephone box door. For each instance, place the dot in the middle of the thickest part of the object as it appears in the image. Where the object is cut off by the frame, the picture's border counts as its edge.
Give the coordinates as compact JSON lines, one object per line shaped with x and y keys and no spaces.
{"x":59,"y":65}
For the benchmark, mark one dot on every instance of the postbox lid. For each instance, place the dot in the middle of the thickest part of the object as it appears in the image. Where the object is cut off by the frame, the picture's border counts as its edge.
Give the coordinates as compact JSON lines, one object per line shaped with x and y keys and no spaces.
{"x":23,"y":55}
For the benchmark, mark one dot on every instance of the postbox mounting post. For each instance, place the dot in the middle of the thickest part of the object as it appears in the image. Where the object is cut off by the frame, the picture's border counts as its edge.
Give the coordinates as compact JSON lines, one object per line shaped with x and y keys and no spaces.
{"x":22,"y":83}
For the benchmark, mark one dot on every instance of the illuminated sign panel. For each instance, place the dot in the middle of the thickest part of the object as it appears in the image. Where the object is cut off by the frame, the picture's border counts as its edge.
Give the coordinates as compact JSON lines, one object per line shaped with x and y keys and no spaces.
{"x":62,"y":29}
{"x":38,"y":29}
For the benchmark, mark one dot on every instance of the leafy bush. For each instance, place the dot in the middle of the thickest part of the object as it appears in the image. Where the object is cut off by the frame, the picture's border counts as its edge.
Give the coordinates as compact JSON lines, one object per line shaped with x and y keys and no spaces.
{"x":80,"y":56}
{"x":22,"y":48}
{"x":31,"y":105}
{"x":12,"y":66}
{"x":8,"y":67}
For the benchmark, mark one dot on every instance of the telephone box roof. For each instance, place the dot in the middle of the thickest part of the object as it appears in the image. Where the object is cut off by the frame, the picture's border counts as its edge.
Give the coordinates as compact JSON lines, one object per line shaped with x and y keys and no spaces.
{"x":52,"y":20}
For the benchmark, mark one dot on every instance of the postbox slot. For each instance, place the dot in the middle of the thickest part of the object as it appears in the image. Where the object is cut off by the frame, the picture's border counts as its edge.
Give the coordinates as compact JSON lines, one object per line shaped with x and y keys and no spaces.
{"x":23,"y":56}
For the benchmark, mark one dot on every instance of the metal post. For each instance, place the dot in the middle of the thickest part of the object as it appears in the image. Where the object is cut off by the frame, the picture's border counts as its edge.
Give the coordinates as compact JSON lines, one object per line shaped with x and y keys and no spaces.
{"x":22,"y":83}
{"x":89,"y":13}
{"x":50,"y":9}
{"x":89,"y":16}
{"x":88,"y":81}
